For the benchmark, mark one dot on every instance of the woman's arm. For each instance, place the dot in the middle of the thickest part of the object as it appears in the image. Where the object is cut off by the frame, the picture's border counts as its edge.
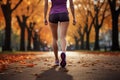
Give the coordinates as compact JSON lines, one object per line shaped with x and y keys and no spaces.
{"x":45,"y":11}
{"x":72,"y":11}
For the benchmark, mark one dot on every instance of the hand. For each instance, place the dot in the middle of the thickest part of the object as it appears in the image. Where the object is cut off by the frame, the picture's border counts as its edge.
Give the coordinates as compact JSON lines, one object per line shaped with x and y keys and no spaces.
{"x":45,"y":22}
{"x":74,"y":22}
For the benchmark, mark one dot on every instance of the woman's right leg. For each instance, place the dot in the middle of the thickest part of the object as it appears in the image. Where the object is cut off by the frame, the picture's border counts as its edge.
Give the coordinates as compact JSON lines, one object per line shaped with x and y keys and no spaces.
{"x":54,"y":27}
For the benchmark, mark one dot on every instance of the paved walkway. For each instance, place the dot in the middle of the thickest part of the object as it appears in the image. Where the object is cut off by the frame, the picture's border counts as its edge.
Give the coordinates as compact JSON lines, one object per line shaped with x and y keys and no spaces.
{"x":80,"y":66}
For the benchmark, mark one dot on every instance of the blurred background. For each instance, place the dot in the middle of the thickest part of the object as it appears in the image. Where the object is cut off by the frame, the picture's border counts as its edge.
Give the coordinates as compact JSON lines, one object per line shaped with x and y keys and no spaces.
{"x":22,"y":26}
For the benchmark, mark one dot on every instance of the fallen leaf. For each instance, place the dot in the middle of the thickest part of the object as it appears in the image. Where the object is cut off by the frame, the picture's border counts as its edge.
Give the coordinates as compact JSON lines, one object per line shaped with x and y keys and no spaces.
{"x":85,"y":65}
{"x":30,"y":65}
{"x":69,"y":65}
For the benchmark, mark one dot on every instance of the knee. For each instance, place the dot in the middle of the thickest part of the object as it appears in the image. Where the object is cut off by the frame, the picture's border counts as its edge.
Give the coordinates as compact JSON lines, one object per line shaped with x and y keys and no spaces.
{"x":62,"y":38}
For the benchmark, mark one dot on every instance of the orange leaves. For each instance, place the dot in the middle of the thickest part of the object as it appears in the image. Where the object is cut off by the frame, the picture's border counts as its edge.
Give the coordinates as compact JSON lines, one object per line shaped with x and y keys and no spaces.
{"x":22,"y":62}
{"x":30,"y":65}
{"x":6,"y":59}
{"x":26,"y":64}
{"x":46,"y":60}
{"x":3,"y":67}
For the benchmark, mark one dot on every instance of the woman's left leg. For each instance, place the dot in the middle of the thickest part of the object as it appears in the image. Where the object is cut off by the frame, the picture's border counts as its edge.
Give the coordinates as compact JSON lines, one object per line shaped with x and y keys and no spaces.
{"x":63,"y":32}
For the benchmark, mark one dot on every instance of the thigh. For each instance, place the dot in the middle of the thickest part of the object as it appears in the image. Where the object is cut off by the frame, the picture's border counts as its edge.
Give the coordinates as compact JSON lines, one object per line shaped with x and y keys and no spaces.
{"x":54,"y":27}
{"x":63,"y":29}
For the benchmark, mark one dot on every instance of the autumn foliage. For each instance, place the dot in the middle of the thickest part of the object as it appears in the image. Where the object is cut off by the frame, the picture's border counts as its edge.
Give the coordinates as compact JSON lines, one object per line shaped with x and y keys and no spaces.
{"x":6,"y":59}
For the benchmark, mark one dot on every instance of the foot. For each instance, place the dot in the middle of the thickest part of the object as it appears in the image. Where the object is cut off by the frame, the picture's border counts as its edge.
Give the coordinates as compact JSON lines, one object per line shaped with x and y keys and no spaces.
{"x":63,"y":60}
{"x":56,"y":62}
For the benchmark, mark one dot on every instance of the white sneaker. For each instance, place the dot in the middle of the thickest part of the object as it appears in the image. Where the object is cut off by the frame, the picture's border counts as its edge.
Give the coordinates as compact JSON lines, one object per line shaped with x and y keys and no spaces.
{"x":57,"y":62}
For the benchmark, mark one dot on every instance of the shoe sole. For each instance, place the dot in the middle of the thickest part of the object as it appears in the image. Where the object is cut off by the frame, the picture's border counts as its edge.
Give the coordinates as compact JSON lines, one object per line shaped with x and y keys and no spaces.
{"x":63,"y":62}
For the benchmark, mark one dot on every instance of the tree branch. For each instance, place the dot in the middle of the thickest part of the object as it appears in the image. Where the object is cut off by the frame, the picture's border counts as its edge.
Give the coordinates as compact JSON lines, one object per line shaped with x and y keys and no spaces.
{"x":19,"y":21}
{"x":103,"y":16}
{"x":110,"y":2}
{"x":91,"y":25}
{"x":91,"y":14}
{"x":17,"y":5}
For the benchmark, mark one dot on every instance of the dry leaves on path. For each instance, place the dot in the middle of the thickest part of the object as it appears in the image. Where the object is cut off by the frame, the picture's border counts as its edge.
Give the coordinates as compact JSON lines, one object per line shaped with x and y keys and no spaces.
{"x":6,"y":59}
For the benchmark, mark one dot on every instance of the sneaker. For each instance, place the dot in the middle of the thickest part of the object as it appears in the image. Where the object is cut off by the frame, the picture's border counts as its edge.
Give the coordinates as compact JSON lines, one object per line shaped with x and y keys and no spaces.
{"x":57,"y":63}
{"x":63,"y":60}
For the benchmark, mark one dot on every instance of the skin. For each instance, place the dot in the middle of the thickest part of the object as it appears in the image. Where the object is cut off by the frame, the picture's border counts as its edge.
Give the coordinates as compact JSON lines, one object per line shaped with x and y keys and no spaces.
{"x":63,"y":29}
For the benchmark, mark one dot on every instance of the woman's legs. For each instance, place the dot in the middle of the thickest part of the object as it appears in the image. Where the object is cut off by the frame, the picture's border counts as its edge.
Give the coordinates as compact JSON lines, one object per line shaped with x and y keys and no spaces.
{"x":54,"y":28}
{"x":63,"y":32}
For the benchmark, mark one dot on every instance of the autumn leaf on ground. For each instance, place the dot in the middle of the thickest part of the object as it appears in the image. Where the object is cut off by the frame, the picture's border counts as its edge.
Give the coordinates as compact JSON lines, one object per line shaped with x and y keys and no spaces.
{"x":30,"y":65}
{"x":22,"y":62}
{"x":69,"y":65}
{"x":46,"y":60}
{"x":85,"y":65}
{"x":3,"y":67}
{"x":6,"y":59}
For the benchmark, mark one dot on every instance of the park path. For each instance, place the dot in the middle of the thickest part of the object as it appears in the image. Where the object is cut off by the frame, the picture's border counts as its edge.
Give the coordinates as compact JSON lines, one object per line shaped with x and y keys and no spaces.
{"x":80,"y":66}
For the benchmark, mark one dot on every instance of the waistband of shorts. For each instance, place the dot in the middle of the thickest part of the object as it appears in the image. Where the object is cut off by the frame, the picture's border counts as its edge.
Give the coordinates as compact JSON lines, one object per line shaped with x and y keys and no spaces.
{"x":60,"y":13}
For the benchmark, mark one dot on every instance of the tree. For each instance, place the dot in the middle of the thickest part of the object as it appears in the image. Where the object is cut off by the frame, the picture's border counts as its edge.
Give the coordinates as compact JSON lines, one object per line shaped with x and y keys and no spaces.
{"x":87,"y":29}
{"x":115,"y":12}
{"x":81,"y":34}
{"x":22,"y":24}
{"x":1,"y":38}
{"x":36,"y":39}
{"x":30,"y":37}
{"x":85,"y":9}
{"x":7,"y":12}
{"x":76,"y":42}
{"x":99,"y":22}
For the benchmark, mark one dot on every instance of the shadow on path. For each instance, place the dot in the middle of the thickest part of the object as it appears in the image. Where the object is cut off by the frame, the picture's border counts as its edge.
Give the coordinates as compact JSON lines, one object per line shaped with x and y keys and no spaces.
{"x":55,"y":73}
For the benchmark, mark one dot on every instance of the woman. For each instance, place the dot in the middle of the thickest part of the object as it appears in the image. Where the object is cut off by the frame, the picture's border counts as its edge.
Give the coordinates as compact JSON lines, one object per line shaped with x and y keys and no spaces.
{"x":59,"y":13}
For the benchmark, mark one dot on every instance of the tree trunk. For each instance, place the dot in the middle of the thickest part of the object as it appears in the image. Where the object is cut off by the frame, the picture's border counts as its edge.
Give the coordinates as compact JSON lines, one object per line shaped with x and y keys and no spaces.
{"x":76,"y":44}
{"x":96,"y":47}
{"x":7,"y":12}
{"x":115,"y":42}
{"x":29,"y":39}
{"x":87,"y":41}
{"x":22,"y":24}
{"x":36,"y":42}
{"x":82,"y":42}
{"x":22,"y":39}
{"x":7,"y":15}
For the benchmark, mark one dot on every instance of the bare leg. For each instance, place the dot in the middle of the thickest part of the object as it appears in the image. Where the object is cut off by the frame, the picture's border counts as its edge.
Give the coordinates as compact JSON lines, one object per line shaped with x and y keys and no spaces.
{"x":63,"y":29}
{"x":54,"y":28}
